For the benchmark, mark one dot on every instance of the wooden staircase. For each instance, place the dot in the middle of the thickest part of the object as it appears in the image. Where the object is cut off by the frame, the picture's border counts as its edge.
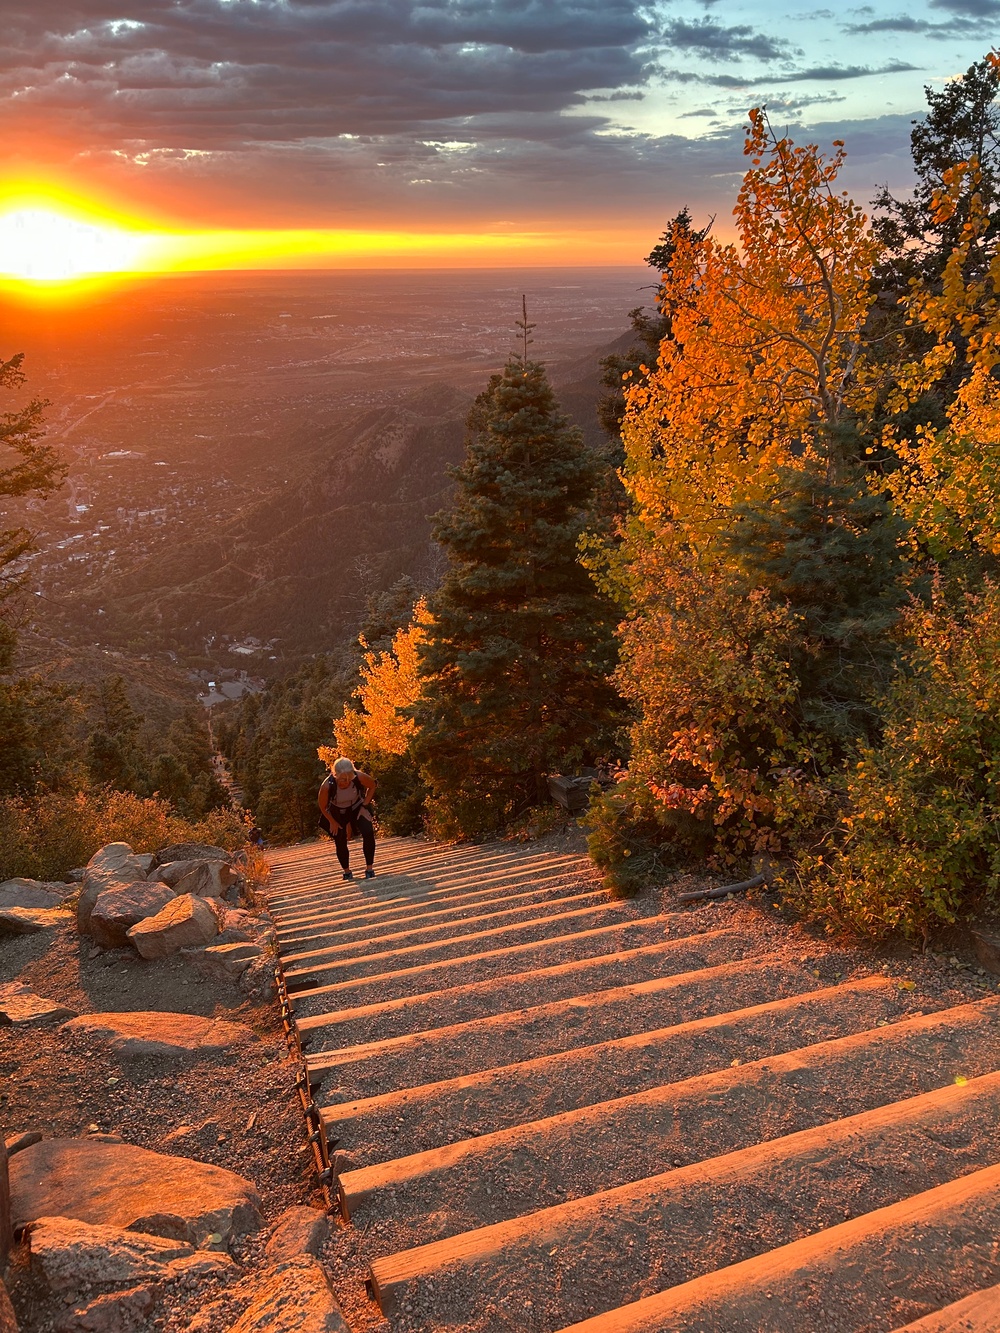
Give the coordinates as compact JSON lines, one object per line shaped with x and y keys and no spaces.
{"x":554,"y":1112}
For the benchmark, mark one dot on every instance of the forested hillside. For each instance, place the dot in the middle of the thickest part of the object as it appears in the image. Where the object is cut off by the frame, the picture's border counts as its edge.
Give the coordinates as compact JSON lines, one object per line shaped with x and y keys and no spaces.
{"x":799,"y":548}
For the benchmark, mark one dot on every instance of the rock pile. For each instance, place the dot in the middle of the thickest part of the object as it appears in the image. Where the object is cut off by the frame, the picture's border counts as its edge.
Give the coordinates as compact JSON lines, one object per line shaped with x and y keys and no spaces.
{"x":178,"y":900}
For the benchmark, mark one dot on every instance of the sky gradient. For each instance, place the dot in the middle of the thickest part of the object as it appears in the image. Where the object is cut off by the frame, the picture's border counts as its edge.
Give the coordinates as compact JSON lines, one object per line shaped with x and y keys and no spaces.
{"x":566,"y":131}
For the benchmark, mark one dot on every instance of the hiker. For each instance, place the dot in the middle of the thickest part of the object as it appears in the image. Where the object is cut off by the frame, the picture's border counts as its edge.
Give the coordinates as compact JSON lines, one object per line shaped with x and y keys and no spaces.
{"x":345,"y":802}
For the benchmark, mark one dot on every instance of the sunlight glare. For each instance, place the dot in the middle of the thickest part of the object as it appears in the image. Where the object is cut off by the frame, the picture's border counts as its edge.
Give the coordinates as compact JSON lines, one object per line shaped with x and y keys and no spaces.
{"x":41,"y":245}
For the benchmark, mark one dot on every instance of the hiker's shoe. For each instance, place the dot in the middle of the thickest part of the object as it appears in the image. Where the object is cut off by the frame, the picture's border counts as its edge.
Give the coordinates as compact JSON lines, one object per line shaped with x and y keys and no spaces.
{"x":369,"y":872}
{"x":348,"y":874}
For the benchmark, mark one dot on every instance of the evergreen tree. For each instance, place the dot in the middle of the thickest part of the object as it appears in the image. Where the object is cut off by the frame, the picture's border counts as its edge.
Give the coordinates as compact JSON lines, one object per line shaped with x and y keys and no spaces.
{"x":829,"y":552}
{"x":962,"y":123}
{"x":519,"y":645}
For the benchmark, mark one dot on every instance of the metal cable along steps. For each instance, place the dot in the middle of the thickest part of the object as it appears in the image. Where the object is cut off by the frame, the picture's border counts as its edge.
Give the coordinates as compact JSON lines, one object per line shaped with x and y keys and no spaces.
{"x":552,"y":1111}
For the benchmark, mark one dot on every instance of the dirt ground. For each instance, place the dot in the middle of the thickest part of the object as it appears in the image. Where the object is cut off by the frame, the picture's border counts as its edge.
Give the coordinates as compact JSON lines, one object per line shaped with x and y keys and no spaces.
{"x":237,"y":1111}
{"x":241,"y":1111}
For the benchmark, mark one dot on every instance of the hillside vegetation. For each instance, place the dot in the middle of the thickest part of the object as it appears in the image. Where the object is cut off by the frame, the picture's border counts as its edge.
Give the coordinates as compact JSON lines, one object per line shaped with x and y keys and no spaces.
{"x":794,"y":524}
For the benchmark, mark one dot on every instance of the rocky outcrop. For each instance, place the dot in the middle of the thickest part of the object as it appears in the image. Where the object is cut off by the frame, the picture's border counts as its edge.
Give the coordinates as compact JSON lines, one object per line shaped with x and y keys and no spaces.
{"x":157,"y":1034}
{"x":21,"y":1007}
{"x":8,"y":1324}
{"x":115,"y":1312}
{"x":222,"y":962}
{"x":184,"y":923}
{"x":18,"y":1142}
{"x":174,"y":871}
{"x":31,"y":893}
{"x":209,"y":879}
{"x":5,"y":1219}
{"x":71,"y":1255}
{"x":299,"y":1231}
{"x":119,"y":1185}
{"x":189,"y":851}
{"x":117,"y":910}
{"x":110,"y":868}
{"x":293,"y":1298}
{"x":32,"y":920}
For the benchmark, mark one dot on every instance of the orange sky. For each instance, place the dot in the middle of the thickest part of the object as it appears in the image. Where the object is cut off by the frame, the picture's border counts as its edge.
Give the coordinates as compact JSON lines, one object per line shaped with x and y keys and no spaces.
{"x":305,"y":133}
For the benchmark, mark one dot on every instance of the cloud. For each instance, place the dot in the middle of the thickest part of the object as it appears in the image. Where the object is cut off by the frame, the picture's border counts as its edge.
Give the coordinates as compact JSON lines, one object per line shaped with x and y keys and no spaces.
{"x":385,"y":112}
{"x":711,"y":39}
{"x":818,"y":74}
{"x":954,"y":28}
{"x":976,"y":9}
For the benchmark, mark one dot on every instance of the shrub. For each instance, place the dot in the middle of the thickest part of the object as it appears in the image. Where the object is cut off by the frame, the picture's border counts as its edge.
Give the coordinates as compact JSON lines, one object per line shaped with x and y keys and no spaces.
{"x":633,"y":838}
{"x":45,"y":835}
{"x":922,"y":837}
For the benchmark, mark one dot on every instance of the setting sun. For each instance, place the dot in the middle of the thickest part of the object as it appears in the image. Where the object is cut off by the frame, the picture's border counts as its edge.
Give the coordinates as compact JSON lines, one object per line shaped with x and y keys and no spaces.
{"x":42,"y":245}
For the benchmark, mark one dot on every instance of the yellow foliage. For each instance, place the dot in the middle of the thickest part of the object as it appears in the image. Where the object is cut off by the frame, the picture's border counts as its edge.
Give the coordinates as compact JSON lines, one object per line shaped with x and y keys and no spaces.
{"x":949,"y":484}
{"x":390,"y":683}
{"x":764,"y":345}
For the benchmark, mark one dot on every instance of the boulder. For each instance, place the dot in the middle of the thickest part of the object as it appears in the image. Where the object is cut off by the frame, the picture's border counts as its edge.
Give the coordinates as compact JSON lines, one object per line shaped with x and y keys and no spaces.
{"x":32,"y":920}
{"x":258,"y":979}
{"x":299,"y":1231}
{"x":18,"y":1142}
{"x":147,"y":860}
{"x":110,"y":868}
{"x":239,"y":925}
{"x":222,"y":962}
{"x":8,"y":1323}
{"x":75,"y":876}
{"x":174,"y":871}
{"x":6,"y":1234}
{"x":21,"y":1007}
{"x":184,"y":923}
{"x":209,"y":879}
{"x":31,"y":893}
{"x":117,"y":910}
{"x":987,"y":949}
{"x":120,"y":1185}
{"x":156,"y":1033}
{"x":115,"y":1312}
{"x":71,"y":1255}
{"x":293,"y":1298}
{"x":189,"y":851}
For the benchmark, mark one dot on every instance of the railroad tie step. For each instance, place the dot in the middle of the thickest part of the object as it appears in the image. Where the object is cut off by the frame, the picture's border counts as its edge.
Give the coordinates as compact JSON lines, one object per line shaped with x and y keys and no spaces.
{"x":488,"y":963}
{"x":543,"y":1029}
{"x":431,"y":909}
{"x":392,"y":883}
{"x":687,"y":1222}
{"x":978,"y":1313}
{"x":374,"y":1128}
{"x":516,"y":990}
{"x":349,"y":901}
{"x":335,"y":963}
{"x":906,"y":1259}
{"x":607,"y":1144}
{"x":363,"y":943}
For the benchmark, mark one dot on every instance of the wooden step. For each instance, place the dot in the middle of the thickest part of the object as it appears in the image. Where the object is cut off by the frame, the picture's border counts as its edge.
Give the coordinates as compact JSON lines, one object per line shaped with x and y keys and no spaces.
{"x":490,"y":963}
{"x":430,"y":910}
{"x":373,"y":1129}
{"x":608,"y":1144}
{"x":402,"y":884}
{"x":516,"y":990}
{"x":753,"y":1200}
{"x":334,"y":944}
{"x":920,"y":1253}
{"x":331,"y":963}
{"x":354,"y":901}
{"x":978,"y":1313}
{"x":581,"y":1020}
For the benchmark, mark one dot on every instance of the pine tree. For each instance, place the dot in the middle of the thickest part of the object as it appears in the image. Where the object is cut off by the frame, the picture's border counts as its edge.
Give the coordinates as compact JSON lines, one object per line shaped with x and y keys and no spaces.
{"x":962,"y":124}
{"x":519,"y":644}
